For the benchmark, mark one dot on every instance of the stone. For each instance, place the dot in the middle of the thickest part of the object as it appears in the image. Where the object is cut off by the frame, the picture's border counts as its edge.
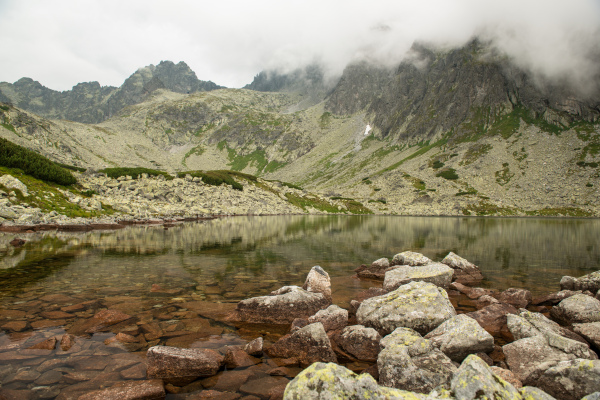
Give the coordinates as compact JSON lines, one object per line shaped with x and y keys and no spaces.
{"x":589,"y":282}
{"x":360,"y":342}
{"x":484,"y":301}
{"x":16,"y":242}
{"x":332,"y":381}
{"x":376,"y":270}
{"x":554,"y":298}
{"x":519,"y":298}
{"x":175,"y":365}
{"x":214,"y":395}
{"x":309,"y":344}
{"x":436,"y":273}
{"x":579,"y":308}
{"x":410,"y":258}
{"x":472,"y":293}
{"x":571,"y":380}
{"x":493,"y":319}
{"x":528,"y":324}
{"x":507,"y":375}
{"x":590,"y":331}
{"x":238,"y":358}
{"x":254,"y":347}
{"x":318,"y":281}
{"x":464,"y":271}
{"x":332,"y":318}
{"x":281,"y":307}
{"x":48,"y":344}
{"x":476,"y":380}
{"x":10,"y":182}
{"x":129,"y":390}
{"x":460,"y":336}
{"x":421,"y":306}
{"x":15,"y":326}
{"x":409,"y":362}
{"x":533,"y":393}
{"x":260,"y":387}
{"x":67,"y":341}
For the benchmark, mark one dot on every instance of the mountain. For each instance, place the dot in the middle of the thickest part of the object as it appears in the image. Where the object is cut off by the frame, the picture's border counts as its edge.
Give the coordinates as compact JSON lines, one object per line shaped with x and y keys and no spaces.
{"x":91,"y":103}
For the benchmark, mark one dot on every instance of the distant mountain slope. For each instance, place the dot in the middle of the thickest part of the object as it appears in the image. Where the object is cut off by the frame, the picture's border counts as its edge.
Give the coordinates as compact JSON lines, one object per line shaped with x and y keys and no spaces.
{"x":91,"y":103}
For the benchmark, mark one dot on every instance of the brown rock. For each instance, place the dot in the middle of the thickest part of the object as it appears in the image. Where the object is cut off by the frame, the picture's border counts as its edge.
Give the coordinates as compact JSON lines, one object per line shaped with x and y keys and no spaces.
{"x":15,"y":326}
{"x":10,"y":394}
{"x":17,"y":242}
{"x":181,"y":365}
{"x":111,"y":317}
{"x":309,"y":344}
{"x":472,"y":293}
{"x":519,"y":298}
{"x":67,"y":341}
{"x":254,"y":347}
{"x":261,"y":387}
{"x":493,"y":319}
{"x":214,"y":395}
{"x":554,"y":298}
{"x":298,"y":323}
{"x":508,"y":376}
{"x":136,"y":372}
{"x":238,"y":358}
{"x":131,"y":390}
{"x":47,"y":323}
{"x":376,"y":270}
{"x":227,"y":380}
{"x":48,"y":344}
{"x":370,"y":292}
{"x":361,"y":342}
{"x":56,"y":315}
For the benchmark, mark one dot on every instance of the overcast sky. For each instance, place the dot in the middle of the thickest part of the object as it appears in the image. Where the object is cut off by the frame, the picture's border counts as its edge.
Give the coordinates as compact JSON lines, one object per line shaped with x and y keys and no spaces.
{"x":63,"y":42}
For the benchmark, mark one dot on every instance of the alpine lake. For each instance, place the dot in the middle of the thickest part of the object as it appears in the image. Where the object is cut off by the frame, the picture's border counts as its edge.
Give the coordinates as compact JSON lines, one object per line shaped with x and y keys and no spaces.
{"x":177,"y":284}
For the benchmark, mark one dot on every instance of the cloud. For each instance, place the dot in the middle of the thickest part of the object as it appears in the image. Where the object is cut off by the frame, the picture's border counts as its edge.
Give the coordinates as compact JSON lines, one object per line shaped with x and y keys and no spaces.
{"x":63,"y":42}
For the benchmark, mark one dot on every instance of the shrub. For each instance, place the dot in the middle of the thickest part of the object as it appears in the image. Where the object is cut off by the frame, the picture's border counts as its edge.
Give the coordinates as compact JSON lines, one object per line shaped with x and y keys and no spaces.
{"x":217,"y":178}
{"x":135,"y":173}
{"x":448,"y":173}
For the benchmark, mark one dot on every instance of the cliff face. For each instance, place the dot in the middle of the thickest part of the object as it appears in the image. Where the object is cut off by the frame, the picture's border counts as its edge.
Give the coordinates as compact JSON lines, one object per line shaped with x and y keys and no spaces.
{"x":91,"y":103}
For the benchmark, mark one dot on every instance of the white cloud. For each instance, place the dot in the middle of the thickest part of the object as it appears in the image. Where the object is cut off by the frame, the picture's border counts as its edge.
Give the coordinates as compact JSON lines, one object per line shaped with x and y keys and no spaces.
{"x":63,"y":42}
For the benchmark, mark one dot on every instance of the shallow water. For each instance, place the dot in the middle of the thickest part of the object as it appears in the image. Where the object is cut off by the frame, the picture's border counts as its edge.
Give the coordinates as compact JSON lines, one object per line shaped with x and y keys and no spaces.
{"x":185,"y":279}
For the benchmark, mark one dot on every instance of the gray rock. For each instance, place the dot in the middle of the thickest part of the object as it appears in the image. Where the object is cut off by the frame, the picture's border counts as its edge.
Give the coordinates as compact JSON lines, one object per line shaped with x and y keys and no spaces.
{"x":589,"y":282}
{"x":475,"y":380}
{"x":579,"y":308}
{"x":593,"y":396}
{"x":361,"y":342}
{"x":254,"y":347}
{"x":317,"y":281}
{"x":332,"y":381}
{"x":436,"y":273}
{"x":181,"y":366}
{"x":332,"y":318}
{"x":571,"y":380}
{"x":533,"y":393}
{"x":410,"y":258}
{"x":409,"y":362}
{"x":590,"y":331}
{"x":464,"y":271}
{"x":309,"y":344}
{"x":460,"y":336}
{"x":7,"y":213}
{"x":10,"y":182}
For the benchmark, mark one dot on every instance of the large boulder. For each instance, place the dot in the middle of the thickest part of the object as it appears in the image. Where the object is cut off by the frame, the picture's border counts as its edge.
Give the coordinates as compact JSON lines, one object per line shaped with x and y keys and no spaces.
{"x":308,"y":345}
{"x":589,"y":282}
{"x":590,"y":331}
{"x":475,"y":380}
{"x":420,"y":306}
{"x":361,"y":342}
{"x":181,"y":366}
{"x":332,"y":318}
{"x":409,"y":362}
{"x":317,"y":281}
{"x":528,"y":324}
{"x":436,"y":273}
{"x":464,"y":271}
{"x":410,"y":258}
{"x":460,"y":336}
{"x":281,"y":307}
{"x":579,"y":308}
{"x":332,"y":381}
{"x":571,"y":380}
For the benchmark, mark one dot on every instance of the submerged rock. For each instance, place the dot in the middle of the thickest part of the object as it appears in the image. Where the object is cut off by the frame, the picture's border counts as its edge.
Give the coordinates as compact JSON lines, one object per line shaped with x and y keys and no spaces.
{"x":464,"y":271}
{"x":180,"y":366}
{"x":436,"y":273}
{"x":308,"y":345}
{"x":129,"y":390}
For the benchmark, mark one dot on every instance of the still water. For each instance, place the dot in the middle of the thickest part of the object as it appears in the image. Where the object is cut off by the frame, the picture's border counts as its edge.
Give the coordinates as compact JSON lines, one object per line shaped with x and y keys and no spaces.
{"x":177,"y":284}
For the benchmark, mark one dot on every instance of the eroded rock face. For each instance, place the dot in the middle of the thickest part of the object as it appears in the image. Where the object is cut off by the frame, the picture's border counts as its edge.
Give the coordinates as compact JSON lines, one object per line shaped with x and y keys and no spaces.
{"x":436,"y":273}
{"x":475,"y":380}
{"x":282,"y":307}
{"x":409,"y":362}
{"x":179,"y":366}
{"x":410,"y":258}
{"x":317,"y":281}
{"x":332,"y":318}
{"x":571,"y":380}
{"x":464,"y":271}
{"x":417,"y":305}
{"x":332,"y":381}
{"x":361,"y":342}
{"x":460,"y":336}
{"x":589,"y":282}
{"x":579,"y":308}
{"x":308,"y":345}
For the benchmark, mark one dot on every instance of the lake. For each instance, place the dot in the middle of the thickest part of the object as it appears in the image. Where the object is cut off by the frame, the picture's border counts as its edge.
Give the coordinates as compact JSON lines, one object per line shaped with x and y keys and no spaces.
{"x":182,"y":280}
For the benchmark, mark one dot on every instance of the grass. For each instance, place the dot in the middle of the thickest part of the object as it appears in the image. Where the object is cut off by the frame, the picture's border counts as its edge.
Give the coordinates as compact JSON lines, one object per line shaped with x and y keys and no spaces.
{"x":447,"y":173}
{"x":305,"y":202}
{"x":424,"y":148}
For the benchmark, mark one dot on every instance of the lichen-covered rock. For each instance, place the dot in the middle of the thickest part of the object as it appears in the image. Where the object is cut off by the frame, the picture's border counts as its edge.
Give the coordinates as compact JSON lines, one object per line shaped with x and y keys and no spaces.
{"x":281,"y":307}
{"x":541,"y":324}
{"x":571,"y":380}
{"x":317,"y":281}
{"x":420,"y":306}
{"x":361,"y":342}
{"x":590,"y":331}
{"x":464,"y":271}
{"x":475,"y":380}
{"x":332,"y":382}
{"x":579,"y":308}
{"x":533,"y":393}
{"x":308,"y":345}
{"x":460,"y":336}
{"x":409,"y":362}
{"x":180,"y":366}
{"x":436,"y":273}
{"x":589,"y":282}
{"x":332,"y":318}
{"x":410,"y":258}
{"x":519,"y":298}
{"x":376,"y":270}
{"x":507,"y":375}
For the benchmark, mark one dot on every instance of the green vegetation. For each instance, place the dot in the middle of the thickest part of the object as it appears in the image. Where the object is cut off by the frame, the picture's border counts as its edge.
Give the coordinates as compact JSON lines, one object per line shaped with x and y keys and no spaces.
{"x":135,"y":173}
{"x":585,"y":164}
{"x":486,"y":208}
{"x":504,"y":175}
{"x":437,"y":164}
{"x":325,"y":120}
{"x":560,"y":212}
{"x":217,"y":178}
{"x":382,"y":201}
{"x":474,"y":152}
{"x":309,"y":201}
{"x":9,"y":127}
{"x":72,"y":167}
{"x":34,"y":164}
{"x":416,"y":182}
{"x":424,"y":148}
{"x":447,"y":173}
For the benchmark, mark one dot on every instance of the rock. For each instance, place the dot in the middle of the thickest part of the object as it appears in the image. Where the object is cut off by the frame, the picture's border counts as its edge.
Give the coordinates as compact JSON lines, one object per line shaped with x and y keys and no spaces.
{"x":409,"y":362}
{"x":589,"y":282}
{"x":421,"y":306}
{"x":460,"y":336}
{"x":298,"y":323}
{"x":10,"y":182}
{"x":15,"y":326}
{"x":519,"y":298}
{"x":579,"y":308}
{"x":410,"y":258}
{"x":533,"y":393}
{"x":593,"y":396}
{"x":318,"y":281}
{"x":508,"y":376}
{"x":361,"y":342}
{"x":436,"y":273}
{"x":475,"y":380}
{"x":332,"y":381}
{"x":376,"y":270}
{"x":571,"y":380}
{"x":17,"y":242}
{"x":554,"y":298}
{"x":238,"y":358}
{"x":528,"y":324}
{"x":177,"y":366}
{"x":590,"y":331}
{"x":484,"y":301}
{"x":332,"y":318}
{"x":464,"y":271}
{"x":129,"y":390}
{"x":261,"y":387}
{"x":48,"y":344}
{"x":282,"y":307}
{"x":255,"y":347}
{"x":493,"y":319}
{"x":309,"y":344}
{"x":472,"y":293}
